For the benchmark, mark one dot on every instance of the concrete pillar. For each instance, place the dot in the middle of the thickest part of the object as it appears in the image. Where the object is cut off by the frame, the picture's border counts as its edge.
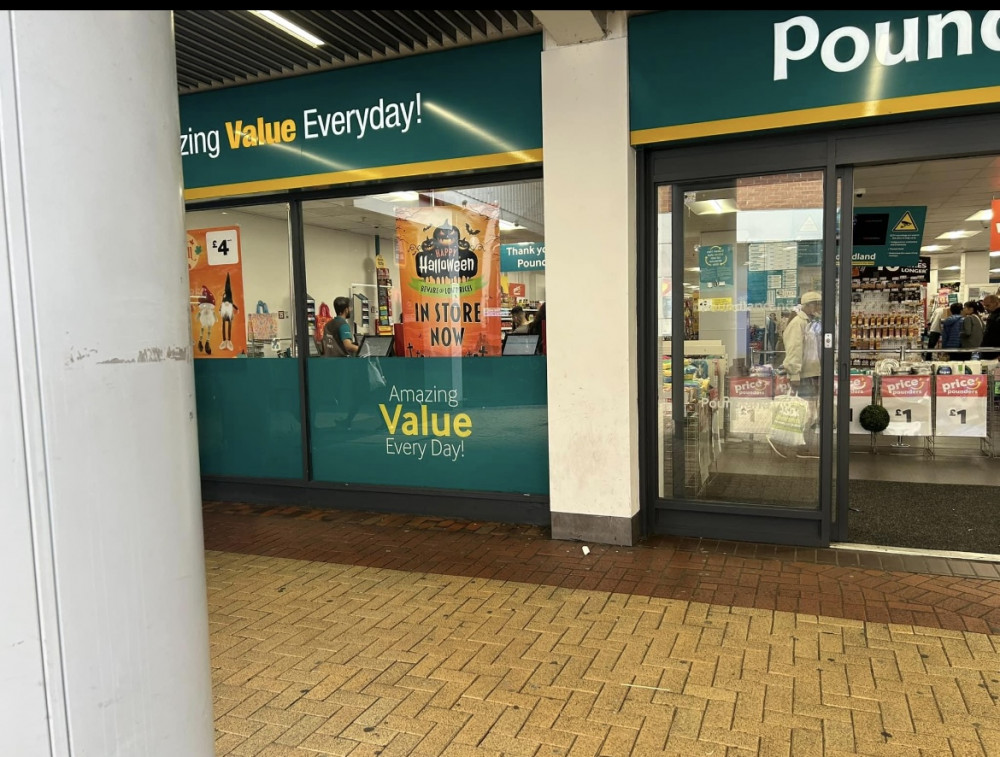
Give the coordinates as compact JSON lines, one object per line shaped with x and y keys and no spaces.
{"x":104,"y":629}
{"x":975,"y":271}
{"x":590,"y":259}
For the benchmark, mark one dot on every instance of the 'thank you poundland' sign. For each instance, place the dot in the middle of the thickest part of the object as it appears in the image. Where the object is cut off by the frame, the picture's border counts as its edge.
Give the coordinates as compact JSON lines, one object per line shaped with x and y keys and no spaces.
{"x":523,"y":256}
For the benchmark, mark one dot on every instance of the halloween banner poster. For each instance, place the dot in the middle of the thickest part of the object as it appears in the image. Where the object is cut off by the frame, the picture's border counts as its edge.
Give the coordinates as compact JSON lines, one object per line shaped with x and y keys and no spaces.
{"x":449,"y":280}
{"x":215,"y":273}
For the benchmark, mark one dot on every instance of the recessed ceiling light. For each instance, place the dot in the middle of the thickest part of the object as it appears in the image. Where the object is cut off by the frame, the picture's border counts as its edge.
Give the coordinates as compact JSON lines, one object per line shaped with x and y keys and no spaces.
{"x":995,"y":270}
{"x":711,"y":207}
{"x":985,"y":214}
{"x":405,"y":196}
{"x":959,"y":234}
{"x":995,"y":254}
{"x":935,"y":247}
{"x":952,"y":268}
{"x":289,"y":28}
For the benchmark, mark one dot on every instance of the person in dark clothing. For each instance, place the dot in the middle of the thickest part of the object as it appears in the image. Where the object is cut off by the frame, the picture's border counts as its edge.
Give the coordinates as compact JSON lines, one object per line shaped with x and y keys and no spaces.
{"x":972,"y":326}
{"x":537,"y":326}
{"x":991,"y":332}
{"x":338,"y":341}
{"x":951,"y":331}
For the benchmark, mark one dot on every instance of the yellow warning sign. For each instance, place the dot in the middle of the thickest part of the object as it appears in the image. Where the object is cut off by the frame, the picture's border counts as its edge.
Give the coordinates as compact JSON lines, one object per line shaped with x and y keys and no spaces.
{"x":906,"y":223}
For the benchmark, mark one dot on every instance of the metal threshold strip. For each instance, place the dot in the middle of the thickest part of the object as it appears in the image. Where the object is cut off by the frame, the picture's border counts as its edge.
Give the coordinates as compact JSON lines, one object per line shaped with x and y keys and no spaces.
{"x":942,"y":553}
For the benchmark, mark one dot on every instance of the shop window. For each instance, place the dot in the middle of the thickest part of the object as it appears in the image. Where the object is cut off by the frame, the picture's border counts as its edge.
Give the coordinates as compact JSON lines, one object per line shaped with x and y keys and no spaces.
{"x":241,"y":327}
{"x":436,"y":300}
{"x":739,"y":410}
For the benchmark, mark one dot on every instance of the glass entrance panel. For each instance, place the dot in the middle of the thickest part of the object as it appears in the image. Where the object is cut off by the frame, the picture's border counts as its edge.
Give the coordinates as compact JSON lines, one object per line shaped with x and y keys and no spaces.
{"x":739,"y":410}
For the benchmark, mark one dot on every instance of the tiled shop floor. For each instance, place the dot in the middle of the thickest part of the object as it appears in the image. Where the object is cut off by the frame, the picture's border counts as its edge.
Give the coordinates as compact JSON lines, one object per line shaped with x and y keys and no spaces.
{"x":340,"y":633}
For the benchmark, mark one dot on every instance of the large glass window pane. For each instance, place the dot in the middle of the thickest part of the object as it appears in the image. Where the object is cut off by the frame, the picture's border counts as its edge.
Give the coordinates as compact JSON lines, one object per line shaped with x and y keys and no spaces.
{"x":752,"y":344}
{"x":411,"y":290}
{"x":665,"y":326}
{"x":241,"y":326}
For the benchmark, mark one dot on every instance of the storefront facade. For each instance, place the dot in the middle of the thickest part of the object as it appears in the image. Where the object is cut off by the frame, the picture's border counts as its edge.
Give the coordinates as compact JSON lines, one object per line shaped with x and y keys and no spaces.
{"x":743,"y":192}
{"x":761,"y":148}
{"x":405,"y":189}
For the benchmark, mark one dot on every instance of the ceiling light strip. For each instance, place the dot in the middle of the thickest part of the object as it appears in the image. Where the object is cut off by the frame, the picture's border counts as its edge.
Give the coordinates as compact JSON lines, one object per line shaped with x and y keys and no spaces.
{"x":289,"y":28}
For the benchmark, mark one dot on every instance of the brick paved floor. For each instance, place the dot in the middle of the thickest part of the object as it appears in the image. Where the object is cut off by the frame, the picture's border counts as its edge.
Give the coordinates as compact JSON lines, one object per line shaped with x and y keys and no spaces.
{"x":339,"y":633}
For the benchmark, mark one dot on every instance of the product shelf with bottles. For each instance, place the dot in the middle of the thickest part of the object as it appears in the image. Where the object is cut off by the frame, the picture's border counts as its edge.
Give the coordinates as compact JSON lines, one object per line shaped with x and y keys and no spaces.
{"x":885,"y":317}
{"x":383,"y":284}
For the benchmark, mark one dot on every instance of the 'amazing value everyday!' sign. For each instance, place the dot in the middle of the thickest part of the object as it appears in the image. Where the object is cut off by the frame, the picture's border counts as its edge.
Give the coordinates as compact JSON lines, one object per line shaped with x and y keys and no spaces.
{"x":404,"y":117}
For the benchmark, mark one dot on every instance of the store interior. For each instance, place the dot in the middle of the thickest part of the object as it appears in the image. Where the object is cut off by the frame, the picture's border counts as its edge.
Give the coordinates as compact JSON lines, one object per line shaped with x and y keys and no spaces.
{"x":350,"y":251}
{"x":925,"y":481}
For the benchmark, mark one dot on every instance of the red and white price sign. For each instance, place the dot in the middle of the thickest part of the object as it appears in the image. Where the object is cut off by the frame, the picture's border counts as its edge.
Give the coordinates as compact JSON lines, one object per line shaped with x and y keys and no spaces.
{"x":782,"y":386}
{"x":961,"y":406}
{"x":908,"y":401}
{"x":861,"y":397}
{"x":750,"y":404}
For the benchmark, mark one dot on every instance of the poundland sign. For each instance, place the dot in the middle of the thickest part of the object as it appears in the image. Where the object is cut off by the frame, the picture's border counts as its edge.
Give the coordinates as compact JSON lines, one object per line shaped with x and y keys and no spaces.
{"x":846,"y":48}
{"x":771,"y":69}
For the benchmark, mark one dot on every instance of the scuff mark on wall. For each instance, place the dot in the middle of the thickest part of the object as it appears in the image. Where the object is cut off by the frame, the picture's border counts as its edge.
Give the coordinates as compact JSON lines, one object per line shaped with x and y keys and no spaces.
{"x":79,"y":355}
{"x":147,"y":355}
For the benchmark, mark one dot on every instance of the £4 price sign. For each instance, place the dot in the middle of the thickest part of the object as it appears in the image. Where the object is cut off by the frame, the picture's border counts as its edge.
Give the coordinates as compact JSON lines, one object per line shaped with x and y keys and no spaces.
{"x":961,"y":406}
{"x":223,"y":246}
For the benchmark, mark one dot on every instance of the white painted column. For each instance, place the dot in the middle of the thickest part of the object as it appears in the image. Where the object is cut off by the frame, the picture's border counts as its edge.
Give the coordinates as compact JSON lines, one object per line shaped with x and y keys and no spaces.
{"x":975,"y":271}
{"x":104,"y":629}
{"x":590,"y":259}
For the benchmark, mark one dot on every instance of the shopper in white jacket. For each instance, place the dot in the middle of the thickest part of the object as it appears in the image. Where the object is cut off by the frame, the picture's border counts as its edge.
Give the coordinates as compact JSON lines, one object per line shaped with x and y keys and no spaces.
{"x":802,"y":338}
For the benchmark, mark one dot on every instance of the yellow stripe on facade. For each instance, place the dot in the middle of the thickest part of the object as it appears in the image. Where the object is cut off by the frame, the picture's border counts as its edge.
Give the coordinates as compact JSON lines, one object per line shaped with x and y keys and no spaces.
{"x":891,"y":106}
{"x":497,"y":160}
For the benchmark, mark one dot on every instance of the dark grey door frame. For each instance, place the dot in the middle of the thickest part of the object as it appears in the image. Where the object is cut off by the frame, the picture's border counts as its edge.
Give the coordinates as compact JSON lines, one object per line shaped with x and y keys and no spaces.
{"x":836,"y":151}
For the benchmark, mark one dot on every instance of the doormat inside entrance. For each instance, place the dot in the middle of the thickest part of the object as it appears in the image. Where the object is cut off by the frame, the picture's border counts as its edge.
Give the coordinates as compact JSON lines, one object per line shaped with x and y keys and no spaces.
{"x":782,"y":491}
{"x":925,"y":516}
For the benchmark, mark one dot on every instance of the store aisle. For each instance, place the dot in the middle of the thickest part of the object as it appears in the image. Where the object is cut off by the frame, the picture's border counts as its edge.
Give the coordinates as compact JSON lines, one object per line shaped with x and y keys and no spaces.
{"x":355,"y":633}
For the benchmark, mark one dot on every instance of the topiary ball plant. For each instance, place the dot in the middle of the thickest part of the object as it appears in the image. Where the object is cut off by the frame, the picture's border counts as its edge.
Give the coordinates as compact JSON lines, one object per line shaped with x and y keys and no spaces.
{"x":874,"y":418}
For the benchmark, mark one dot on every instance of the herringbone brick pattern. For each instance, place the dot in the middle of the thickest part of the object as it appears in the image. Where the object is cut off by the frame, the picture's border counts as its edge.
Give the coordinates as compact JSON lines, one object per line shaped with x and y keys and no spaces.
{"x":323,"y":658}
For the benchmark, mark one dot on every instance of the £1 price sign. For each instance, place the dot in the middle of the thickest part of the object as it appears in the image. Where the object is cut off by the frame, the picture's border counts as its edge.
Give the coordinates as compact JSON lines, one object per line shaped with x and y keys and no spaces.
{"x":750,"y":404}
{"x":861,"y":397}
{"x":961,"y":406}
{"x":908,"y":402}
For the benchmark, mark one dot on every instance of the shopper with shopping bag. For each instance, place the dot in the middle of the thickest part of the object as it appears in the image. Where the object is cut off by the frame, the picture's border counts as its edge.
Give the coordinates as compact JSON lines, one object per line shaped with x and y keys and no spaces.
{"x":797,"y":415}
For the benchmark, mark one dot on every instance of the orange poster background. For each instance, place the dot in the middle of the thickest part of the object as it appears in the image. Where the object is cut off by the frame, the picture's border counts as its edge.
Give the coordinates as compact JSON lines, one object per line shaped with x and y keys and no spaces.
{"x":995,"y":226}
{"x":444,"y":315}
{"x":212,"y":279}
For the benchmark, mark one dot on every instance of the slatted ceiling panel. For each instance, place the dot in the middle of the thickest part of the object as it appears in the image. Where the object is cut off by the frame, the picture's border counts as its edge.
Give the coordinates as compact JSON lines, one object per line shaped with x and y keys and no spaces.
{"x":378,"y":37}
{"x":401,"y":26}
{"x":456,"y":21}
{"x":227,"y":48}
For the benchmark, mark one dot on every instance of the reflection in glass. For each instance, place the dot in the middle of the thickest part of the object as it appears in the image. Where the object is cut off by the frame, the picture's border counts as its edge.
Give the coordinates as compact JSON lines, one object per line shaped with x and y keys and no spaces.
{"x":749,"y":425}
{"x":430,"y":281}
{"x":249,"y":419}
{"x":445,"y":272}
{"x":241,"y":289}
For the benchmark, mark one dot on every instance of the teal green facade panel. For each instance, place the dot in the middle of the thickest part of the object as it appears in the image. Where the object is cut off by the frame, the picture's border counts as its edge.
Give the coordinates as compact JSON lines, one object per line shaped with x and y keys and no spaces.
{"x":474,"y":424}
{"x":469,"y":101}
{"x":694,"y":67}
{"x":249,"y":418}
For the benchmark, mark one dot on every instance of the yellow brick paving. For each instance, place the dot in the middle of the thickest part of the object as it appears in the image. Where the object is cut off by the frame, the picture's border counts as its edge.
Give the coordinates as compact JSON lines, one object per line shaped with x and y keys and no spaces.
{"x":315,"y":659}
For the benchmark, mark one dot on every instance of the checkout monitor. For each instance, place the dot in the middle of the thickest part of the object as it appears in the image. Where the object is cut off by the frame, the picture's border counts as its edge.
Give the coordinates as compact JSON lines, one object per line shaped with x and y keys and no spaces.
{"x":520,"y":344}
{"x":376,"y":346}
